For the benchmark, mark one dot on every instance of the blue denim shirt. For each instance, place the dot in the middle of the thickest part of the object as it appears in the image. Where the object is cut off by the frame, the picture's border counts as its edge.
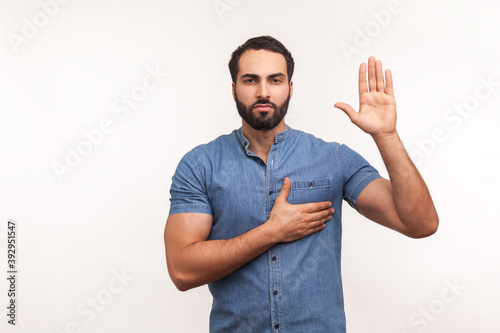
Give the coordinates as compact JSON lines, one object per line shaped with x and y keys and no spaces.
{"x":293,"y":287}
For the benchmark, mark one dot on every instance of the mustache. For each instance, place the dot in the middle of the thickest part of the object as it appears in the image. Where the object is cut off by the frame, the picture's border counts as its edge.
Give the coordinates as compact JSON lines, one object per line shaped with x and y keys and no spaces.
{"x":264,"y":101}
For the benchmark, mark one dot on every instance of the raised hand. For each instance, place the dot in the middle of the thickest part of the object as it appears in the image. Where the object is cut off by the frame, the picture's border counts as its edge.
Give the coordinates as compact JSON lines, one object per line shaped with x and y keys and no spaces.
{"x":377,"y":105}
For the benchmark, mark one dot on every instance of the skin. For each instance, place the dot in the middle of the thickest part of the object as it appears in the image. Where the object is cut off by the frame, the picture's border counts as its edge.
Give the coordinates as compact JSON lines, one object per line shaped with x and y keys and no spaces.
{"x":265,"y":65}
{"x":402,"y":203}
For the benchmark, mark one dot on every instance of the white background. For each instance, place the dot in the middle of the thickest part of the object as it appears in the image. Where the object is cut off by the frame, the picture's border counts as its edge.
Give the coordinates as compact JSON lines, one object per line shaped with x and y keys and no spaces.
{"x":107,"y":215}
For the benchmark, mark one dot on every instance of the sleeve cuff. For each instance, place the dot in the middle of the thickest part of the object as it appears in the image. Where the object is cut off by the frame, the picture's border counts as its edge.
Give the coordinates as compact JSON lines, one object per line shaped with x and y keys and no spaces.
{"x":360,"y":186}
{"x":190,"y":208}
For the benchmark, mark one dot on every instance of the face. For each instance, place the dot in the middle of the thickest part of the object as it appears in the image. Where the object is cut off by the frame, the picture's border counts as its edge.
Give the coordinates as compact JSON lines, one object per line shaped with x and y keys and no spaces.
{"x":262,"y":91}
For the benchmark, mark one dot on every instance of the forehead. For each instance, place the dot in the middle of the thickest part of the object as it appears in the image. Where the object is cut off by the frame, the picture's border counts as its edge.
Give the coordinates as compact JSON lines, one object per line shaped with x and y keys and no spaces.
{"x":261,"y":62}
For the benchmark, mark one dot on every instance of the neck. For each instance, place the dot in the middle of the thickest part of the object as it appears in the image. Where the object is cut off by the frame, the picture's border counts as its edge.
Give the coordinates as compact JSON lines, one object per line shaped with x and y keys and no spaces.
{"x":260,"y":142}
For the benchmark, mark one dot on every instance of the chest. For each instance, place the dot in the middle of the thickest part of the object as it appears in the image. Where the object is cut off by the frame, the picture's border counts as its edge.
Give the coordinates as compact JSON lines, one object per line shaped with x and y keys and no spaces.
{"x":242,"y":189}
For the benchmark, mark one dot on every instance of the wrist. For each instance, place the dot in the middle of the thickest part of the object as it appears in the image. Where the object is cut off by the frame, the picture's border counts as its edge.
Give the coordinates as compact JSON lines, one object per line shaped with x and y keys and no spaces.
{"x":270,"y":233}
{"x":386,"y":137}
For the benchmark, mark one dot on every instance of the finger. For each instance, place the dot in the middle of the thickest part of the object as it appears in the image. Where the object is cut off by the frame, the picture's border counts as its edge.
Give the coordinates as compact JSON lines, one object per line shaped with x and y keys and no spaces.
{"x":372,"y":84}
{"x":314,"y":207}
{"x":321,"y":216}
{"x":316,"y":228}
{"x":285,"y":190}
{"x":318,"y":225}
{"x":348,"y":110}
{"x":362,"y":79}
{"x":379,"y":76}
{"x":388,"y":81}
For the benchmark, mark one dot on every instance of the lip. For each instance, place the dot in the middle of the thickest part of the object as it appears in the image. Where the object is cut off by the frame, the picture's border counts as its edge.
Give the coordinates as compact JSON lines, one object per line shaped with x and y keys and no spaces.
{"x":263,"y":107}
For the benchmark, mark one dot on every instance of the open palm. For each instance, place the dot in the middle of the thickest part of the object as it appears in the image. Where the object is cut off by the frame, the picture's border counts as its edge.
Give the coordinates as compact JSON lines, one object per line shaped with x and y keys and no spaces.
{"x":377,"y":105}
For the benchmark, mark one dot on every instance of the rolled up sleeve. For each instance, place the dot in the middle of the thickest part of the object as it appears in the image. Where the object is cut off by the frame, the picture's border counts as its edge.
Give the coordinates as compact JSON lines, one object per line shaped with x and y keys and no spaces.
{"x":357,"y":173}
{"x":188,"y":192}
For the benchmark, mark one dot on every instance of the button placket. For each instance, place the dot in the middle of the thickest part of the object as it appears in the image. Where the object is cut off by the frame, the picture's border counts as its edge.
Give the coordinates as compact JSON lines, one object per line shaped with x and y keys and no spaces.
{"x":273,"y":253}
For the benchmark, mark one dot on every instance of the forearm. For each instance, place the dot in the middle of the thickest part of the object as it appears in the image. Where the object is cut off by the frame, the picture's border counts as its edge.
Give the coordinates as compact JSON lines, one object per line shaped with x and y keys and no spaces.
{"x":209,"y":260}
{"x":410,"y":194}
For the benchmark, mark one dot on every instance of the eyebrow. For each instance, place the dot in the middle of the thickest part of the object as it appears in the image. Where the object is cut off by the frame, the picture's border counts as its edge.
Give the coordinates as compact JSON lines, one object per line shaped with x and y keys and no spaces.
{"x":255,"y":76}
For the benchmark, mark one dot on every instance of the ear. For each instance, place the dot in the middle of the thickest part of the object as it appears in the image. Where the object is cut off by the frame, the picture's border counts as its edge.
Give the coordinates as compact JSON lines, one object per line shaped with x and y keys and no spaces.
{"x":233,"y":90}
{"x":291,"y":89}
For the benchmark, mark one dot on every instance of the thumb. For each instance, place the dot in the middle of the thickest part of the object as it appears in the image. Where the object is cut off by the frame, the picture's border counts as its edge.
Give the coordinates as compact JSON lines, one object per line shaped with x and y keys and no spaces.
{"x":349,"y":111}
{"x":285,"y":190}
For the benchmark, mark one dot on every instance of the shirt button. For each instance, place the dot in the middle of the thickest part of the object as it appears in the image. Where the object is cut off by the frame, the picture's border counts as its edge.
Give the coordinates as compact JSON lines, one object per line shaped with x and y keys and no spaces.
{"x":273,"y":258}
{"x":310,"y":184}
{"x":270,"y":192}
{"x":275,"y":292}
{"x":277,"y":326}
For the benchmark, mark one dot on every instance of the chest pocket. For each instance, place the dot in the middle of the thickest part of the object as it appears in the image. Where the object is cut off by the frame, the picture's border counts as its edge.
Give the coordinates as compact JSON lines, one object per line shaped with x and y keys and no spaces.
{"x":314,"y":190}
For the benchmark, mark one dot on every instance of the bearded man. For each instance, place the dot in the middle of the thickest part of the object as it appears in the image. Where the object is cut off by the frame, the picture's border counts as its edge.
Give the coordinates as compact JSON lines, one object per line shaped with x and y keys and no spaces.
{"x":256,"y":214}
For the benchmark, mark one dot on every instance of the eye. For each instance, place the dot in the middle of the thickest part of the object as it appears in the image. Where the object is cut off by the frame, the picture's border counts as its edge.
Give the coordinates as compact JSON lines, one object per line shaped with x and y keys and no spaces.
{"x":249,"y":81}
{"x":276,"y":80}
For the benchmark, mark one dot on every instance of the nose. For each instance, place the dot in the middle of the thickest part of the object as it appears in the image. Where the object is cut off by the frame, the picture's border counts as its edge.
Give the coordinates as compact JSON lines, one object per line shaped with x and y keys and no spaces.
{"x":263,"y":91}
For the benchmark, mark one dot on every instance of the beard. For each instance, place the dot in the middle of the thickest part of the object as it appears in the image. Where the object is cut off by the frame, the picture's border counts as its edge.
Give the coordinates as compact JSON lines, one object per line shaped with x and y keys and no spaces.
{"x":262,"y":122}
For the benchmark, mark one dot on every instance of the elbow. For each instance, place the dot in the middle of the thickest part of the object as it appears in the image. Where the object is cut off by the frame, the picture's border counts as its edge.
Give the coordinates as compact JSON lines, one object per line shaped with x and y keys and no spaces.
{"x":181,"y":285}
{"x":423,"y":233}
{"x":426,"y":230}
{"x":181,"y":280}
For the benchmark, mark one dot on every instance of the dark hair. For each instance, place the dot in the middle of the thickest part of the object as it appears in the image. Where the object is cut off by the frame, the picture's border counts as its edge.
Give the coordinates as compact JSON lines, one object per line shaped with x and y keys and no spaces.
{"x":261,"y":43}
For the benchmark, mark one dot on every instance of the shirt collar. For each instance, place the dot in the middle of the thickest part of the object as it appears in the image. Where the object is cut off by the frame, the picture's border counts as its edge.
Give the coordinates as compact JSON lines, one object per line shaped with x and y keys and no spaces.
{"x":282,"y":136}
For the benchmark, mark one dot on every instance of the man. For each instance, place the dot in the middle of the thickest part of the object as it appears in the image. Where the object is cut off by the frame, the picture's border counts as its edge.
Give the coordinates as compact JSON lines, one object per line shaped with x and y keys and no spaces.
{"x":256,"y":214}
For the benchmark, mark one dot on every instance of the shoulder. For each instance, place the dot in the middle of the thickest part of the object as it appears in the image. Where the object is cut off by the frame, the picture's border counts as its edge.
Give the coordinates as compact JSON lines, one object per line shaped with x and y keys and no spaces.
{"x":204,"y":153}
{"x":310,"y":140}
{"x":215,"y":144}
